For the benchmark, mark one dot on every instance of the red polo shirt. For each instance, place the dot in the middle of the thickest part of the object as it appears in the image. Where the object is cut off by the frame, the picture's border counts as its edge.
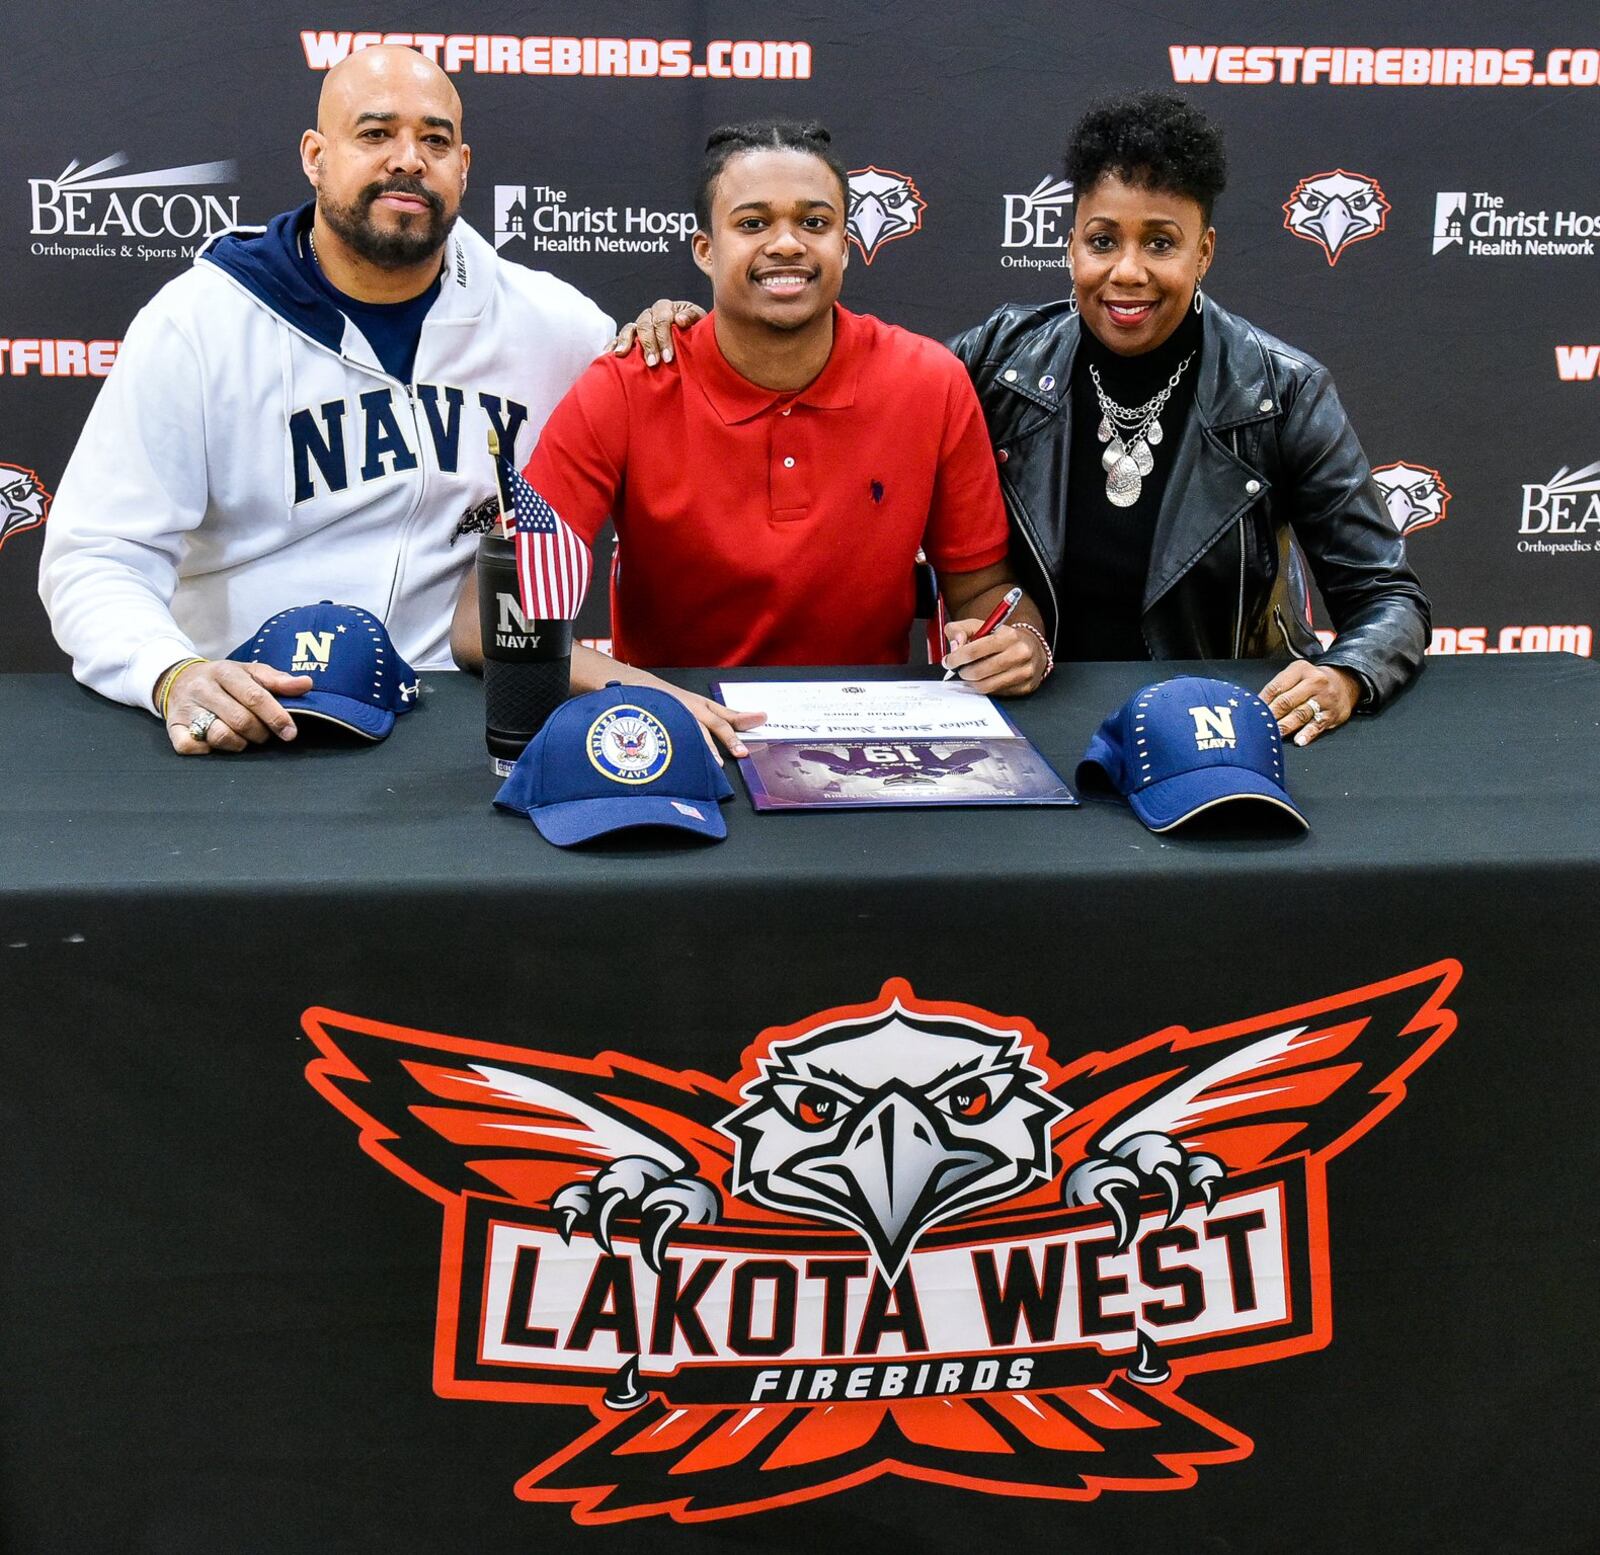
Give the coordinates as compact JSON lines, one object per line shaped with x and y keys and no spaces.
{"x":763,"y":528}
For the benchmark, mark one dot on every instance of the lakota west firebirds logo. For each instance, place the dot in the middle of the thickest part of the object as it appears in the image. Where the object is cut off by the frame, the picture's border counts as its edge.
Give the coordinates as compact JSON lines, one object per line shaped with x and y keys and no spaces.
{"x":901,"y":1240}
{"x":24,"y":502}
{"x":1415,"y":495}
{"x":1336,"y":209}
{"x":883,"y":206}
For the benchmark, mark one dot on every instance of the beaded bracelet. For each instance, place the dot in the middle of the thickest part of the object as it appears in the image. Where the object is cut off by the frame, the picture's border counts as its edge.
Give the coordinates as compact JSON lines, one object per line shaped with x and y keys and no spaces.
{"x":169,"y":680}
{"x":1049,"y":658}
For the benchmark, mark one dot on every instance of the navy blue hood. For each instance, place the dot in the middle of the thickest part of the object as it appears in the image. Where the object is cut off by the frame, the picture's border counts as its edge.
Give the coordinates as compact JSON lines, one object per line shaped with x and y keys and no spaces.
{"x":267,"y":264}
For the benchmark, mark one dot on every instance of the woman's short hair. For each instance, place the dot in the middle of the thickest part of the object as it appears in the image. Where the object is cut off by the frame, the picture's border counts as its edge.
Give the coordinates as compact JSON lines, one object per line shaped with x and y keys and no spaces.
{"x":1155,"y":140}
{"x":733,"y":140}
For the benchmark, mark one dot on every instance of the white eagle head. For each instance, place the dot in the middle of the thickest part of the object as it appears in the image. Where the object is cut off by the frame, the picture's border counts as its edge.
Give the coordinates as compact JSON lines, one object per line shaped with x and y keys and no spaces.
{"x":24,"y":503}
{"x":892,"y":1123}
{"x":1414,"y":495}
{"x":883,"y":206}
{"x":1336,"y":209}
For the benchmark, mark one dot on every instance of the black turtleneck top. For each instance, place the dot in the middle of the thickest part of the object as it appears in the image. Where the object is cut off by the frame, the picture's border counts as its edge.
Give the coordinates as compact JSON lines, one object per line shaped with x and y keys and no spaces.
{"x":1107,"y":553}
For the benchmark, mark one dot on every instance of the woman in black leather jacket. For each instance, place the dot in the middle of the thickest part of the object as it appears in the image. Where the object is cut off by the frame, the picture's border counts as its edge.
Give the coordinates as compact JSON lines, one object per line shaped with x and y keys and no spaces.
{"x":1169,"y":468}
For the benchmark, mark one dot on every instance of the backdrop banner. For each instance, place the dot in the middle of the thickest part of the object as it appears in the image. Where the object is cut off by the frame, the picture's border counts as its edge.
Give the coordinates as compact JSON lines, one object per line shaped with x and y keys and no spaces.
{"x":1413,"y":208}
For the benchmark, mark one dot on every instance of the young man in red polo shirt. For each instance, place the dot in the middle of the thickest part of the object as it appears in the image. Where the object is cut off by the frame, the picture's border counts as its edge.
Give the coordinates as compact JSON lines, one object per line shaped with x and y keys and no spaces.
{"x":771,"y":494}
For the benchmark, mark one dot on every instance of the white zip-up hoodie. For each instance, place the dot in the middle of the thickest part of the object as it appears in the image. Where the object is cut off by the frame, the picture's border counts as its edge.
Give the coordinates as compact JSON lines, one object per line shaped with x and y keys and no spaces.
{"x":247,"y":453}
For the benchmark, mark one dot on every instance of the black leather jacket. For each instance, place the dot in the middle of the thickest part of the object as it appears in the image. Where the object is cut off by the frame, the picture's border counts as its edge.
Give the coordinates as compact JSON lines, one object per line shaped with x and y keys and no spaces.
{"x":1268,"y":459}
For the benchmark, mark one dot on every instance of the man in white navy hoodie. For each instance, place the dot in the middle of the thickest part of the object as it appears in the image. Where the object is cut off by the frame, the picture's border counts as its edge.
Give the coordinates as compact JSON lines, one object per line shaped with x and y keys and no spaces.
{"x":303,"y":416}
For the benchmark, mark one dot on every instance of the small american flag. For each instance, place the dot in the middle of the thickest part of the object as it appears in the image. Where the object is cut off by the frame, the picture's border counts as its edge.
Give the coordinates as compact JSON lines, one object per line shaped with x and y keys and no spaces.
{"x":553,"y":561}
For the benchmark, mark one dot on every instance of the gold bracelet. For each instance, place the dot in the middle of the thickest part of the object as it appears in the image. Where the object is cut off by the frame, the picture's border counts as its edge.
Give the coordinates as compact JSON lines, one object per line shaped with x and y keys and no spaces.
{"x":1049,"y":658}
{"x":169,"y":679}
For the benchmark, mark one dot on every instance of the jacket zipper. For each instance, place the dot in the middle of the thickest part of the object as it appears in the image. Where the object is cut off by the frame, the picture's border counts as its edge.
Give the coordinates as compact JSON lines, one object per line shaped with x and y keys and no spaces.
{"x":1238,"y":620}
{"x":1015,"y":511}
{"x":1277,"y":615}
{"x":410,"y":519}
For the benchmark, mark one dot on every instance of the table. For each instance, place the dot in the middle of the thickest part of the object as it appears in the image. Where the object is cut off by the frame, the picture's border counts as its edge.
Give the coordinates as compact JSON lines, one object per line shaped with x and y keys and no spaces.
{"x":259,"y":1016}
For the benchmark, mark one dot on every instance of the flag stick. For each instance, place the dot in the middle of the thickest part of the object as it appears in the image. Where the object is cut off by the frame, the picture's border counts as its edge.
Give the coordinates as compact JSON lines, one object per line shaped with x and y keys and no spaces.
{"x":500,"y":485}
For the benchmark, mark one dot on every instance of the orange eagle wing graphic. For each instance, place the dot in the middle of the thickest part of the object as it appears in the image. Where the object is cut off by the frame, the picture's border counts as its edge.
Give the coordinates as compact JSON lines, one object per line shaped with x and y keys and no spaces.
{"x":1308,"y":1080}
{"x":451,"y":1116}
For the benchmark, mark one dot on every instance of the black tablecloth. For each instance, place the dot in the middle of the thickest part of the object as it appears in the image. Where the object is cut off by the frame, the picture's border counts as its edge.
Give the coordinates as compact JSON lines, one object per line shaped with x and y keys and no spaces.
{"x":225,"y":1318}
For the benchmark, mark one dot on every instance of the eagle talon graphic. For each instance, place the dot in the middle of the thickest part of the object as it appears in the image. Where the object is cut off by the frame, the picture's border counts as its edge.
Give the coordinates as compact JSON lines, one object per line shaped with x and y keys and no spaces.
{"x":652,"y":1193}
{"x":1140,"y":1164}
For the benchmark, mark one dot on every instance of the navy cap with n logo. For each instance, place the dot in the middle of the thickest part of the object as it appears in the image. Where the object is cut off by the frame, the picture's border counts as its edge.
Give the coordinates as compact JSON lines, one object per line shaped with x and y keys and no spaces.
{"x":1181,"y":747}
{"x":360,"y":682}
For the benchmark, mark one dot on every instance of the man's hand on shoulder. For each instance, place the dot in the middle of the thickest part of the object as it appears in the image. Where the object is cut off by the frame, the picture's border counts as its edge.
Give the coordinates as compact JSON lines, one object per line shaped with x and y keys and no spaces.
{"x":651,"y":332}
{"x":242,"y":699}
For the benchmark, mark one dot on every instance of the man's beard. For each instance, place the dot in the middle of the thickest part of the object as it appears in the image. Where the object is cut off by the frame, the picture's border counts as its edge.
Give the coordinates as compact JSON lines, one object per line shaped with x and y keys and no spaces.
{"x":417,"y":238}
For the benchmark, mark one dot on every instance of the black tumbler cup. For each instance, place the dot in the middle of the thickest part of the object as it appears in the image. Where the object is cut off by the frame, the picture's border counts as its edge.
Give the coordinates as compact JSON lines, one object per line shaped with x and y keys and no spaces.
{"x":527,"y":664}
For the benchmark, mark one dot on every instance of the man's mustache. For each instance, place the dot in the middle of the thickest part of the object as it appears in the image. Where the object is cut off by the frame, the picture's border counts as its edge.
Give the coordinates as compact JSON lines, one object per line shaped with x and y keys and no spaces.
{"x":408,"y":186}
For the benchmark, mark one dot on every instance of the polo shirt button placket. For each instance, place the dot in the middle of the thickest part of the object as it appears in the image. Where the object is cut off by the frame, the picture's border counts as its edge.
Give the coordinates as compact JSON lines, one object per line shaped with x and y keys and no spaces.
{"x":790,"y":499}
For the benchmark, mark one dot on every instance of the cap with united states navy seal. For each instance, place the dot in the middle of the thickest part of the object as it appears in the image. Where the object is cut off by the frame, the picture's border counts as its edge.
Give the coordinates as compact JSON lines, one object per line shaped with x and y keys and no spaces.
{"x":358,"y":679}
{"x":615,"y":758}
{"x":1181,"y":747}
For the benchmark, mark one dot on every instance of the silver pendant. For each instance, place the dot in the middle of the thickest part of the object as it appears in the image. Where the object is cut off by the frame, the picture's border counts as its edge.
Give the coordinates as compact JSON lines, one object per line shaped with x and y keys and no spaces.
{"x":1143,"y":460}
{"x":1103,"y":431}
{"x":1123,"y":483}
{"x":1152,"y":434}
{"x":1114,"y":451}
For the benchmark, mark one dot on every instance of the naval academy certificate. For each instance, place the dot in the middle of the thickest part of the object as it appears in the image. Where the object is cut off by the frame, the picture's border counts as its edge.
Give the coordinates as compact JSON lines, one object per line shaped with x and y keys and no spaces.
{"x":855,"y":743}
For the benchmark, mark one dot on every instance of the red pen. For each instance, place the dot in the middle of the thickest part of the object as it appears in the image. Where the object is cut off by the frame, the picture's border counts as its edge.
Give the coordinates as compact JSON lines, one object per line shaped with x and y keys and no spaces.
{"x":997,"y":617}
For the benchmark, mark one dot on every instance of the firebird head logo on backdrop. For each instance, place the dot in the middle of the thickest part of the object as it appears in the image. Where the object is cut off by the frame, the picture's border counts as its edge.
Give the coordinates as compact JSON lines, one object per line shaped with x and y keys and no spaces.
{"x":1415,"y":495}
{"x":883,"y":206}
{"x":1336,"y":209}
{"x":24,"y":502}
{"x":900,"y":1240}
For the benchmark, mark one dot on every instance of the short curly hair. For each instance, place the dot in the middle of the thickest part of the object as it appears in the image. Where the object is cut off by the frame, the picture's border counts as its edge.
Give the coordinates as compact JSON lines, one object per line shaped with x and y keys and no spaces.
{"x":1155,"y":140}
{"x":732,"y":140}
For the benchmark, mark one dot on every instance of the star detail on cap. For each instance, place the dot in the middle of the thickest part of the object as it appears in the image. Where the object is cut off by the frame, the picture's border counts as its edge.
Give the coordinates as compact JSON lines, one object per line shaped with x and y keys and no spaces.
{"x":342,"y":628}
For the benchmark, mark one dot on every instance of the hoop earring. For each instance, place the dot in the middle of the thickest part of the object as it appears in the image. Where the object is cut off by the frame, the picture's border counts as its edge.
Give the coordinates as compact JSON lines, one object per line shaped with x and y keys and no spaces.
{"x":1072,"y":300}
{"x":1198,"y":299}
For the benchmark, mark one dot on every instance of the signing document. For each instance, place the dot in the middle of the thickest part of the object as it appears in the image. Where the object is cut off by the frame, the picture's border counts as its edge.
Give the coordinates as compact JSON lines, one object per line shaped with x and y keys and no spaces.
{"x":854,"y":743}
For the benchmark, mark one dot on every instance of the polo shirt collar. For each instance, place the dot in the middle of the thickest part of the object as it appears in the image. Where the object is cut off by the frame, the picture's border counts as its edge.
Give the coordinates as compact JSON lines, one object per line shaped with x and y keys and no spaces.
{"x":736,"y":399}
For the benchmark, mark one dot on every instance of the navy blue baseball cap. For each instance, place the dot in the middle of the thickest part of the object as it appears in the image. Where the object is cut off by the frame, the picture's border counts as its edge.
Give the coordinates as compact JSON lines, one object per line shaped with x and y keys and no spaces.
{"x":624,"y":756}
{"x":361,"y":683}
{"x":1184,"y":746}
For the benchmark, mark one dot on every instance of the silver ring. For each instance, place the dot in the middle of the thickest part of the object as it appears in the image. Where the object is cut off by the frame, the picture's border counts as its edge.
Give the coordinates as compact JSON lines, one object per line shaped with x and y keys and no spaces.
{"x":201,"y":723}
{"x":1317,"y":714}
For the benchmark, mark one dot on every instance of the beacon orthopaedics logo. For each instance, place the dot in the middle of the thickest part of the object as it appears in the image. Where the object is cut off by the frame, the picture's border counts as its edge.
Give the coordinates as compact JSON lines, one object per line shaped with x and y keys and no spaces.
{"x":99,"y":212}
{"x":1562,"y":514}
{"x":504,"y":54}
{"x":1039,"y":223}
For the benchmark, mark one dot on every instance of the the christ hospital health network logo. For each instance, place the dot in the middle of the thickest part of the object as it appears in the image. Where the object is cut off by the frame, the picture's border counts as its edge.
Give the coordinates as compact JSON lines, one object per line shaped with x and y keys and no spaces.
{"x":1484,"y":226}
{"x":99,"y":212}
{"x":543,"y":219}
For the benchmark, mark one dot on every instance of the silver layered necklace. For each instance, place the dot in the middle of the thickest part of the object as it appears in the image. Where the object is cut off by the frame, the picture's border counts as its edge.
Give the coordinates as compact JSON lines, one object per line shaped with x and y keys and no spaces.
{"x":1129,"y":435}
